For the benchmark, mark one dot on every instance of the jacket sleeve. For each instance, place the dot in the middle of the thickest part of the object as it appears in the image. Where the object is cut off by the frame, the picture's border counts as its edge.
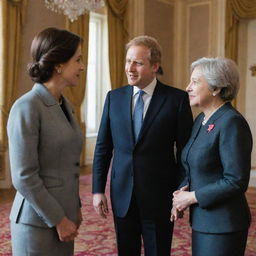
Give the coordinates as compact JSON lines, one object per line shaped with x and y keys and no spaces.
{"x":23,"y":132}
{"x":235,"y":146}
{"x":103,"y":151}
{"x":183,"y":132}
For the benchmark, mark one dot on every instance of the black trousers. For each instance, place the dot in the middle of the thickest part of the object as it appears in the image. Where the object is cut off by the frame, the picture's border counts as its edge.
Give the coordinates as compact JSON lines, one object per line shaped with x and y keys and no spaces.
{"x":225,"y":244}
{"x":133,"y":228}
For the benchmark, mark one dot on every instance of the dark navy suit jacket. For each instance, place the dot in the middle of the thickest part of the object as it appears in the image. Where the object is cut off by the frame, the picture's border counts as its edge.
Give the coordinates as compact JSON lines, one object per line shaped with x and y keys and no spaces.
{"x":148,"y":168}
{"x":217,"y":160}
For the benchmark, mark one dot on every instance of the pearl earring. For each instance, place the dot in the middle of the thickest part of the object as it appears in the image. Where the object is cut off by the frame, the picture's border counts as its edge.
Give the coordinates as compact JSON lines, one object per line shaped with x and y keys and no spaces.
{"x":59,"y":71}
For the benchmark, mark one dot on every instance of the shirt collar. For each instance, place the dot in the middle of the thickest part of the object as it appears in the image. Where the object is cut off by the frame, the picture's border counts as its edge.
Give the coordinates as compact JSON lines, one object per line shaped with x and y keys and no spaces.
{"x":149,"y":89}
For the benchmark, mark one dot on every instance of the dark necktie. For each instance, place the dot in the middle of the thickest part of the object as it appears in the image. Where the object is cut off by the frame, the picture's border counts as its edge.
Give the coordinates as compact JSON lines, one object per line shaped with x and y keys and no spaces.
{"x":138,"y":115}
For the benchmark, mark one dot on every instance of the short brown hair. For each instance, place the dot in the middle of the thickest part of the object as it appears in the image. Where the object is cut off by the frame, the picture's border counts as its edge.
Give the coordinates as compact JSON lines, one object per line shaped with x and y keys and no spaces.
{"x":152,"y":44}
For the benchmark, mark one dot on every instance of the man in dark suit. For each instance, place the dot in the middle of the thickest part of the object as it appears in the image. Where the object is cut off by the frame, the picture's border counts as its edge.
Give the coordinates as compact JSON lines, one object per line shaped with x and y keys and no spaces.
{"x":144,"y":127}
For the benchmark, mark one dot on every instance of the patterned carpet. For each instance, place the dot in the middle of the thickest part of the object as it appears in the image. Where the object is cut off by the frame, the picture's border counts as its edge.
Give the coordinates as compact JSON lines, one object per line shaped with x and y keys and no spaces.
{"x":97,"y":238}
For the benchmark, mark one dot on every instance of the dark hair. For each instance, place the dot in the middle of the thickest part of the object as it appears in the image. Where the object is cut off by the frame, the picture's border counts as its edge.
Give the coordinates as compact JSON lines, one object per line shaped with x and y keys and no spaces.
{"x":49,"y":48}
{"x":152,"y":44}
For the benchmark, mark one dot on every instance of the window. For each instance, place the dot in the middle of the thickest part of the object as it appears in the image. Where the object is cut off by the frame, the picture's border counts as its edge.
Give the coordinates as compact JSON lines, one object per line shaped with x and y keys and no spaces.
{"x":98,"y":79}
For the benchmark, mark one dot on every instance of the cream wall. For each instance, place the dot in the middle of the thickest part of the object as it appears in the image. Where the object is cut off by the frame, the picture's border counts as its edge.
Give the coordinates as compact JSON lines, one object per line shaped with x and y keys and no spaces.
{"x":250,"y":105}
{"x":247,"y":93}
{"x":37,"y":18}
{"x":250,"y":95}
{"x":160,"y":23}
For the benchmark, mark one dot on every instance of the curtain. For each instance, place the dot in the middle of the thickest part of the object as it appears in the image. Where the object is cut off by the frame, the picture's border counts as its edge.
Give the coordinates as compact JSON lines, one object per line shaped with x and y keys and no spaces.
{"x":236,"y":10}
{"x":12,"y":15}
{"x":76,"y":94}
{"x":118,"y":36}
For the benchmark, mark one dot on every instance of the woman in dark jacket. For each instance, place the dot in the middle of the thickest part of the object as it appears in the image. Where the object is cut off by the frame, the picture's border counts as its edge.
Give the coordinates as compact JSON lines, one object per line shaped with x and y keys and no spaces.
{"x":217,"y":160}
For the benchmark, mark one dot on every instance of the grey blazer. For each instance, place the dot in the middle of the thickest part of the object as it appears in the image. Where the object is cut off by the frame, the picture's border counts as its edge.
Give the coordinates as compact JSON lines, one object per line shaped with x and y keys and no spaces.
{"x":44,"y":150}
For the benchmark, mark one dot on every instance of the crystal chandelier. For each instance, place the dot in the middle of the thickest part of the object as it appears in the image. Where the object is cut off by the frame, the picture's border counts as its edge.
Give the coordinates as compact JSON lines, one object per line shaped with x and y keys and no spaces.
{"x":73,"y":8}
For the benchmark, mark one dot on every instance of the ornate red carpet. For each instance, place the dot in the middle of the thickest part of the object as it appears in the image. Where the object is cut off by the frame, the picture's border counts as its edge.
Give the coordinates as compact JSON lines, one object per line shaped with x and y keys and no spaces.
{"x":97,"y":237}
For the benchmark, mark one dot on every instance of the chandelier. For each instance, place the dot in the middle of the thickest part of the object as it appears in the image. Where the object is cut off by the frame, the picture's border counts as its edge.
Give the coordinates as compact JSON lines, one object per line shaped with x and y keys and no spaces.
{"x":73,"y":8}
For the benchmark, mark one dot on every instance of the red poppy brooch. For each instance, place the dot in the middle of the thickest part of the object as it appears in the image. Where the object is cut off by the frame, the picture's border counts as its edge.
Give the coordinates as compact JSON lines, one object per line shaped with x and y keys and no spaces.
{"x":210,"y":127}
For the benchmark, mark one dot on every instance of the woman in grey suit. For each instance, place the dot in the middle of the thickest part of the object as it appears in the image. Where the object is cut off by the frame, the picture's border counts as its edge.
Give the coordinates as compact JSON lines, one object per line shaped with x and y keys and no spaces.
{"x":217,"y":160}
{"x":45,"y":143}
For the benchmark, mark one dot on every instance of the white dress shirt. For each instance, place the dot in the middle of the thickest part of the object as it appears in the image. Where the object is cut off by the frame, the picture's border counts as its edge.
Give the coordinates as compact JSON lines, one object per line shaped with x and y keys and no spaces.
{"x":149,"y":89}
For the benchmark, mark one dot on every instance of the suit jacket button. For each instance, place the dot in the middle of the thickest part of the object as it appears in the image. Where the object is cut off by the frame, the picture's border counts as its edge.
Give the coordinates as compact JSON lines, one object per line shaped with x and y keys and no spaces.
{"x":77,"y":175}
{"x":77,"y":164}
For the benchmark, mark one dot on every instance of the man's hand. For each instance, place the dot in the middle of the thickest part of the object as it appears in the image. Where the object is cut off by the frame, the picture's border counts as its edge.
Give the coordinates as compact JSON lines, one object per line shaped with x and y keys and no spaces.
{"x":100,"y":204}
{"x":67,"y":230}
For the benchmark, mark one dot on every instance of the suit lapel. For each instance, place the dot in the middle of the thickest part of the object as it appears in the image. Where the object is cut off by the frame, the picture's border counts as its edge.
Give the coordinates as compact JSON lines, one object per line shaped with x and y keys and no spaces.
{"x":44,"y":94}
{"x":126,"y":111}
{"x":157,"y":101}
{"x":218,"y":114}
{"x":198,"y":125}
{"x":195,"y":131}
{"x":50,"y":102}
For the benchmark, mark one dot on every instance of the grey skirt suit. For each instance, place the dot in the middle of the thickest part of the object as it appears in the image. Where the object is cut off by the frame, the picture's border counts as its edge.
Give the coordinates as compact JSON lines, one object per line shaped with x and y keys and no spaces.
{"x":44,"y":146}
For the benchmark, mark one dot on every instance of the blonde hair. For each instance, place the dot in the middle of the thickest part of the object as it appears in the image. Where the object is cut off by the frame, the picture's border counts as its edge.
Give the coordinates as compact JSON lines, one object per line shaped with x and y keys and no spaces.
{"x":152,"y":44}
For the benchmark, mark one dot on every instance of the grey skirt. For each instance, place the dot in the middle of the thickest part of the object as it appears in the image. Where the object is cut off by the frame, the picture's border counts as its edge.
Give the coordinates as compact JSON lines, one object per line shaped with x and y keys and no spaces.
{"x":29,"y":240}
